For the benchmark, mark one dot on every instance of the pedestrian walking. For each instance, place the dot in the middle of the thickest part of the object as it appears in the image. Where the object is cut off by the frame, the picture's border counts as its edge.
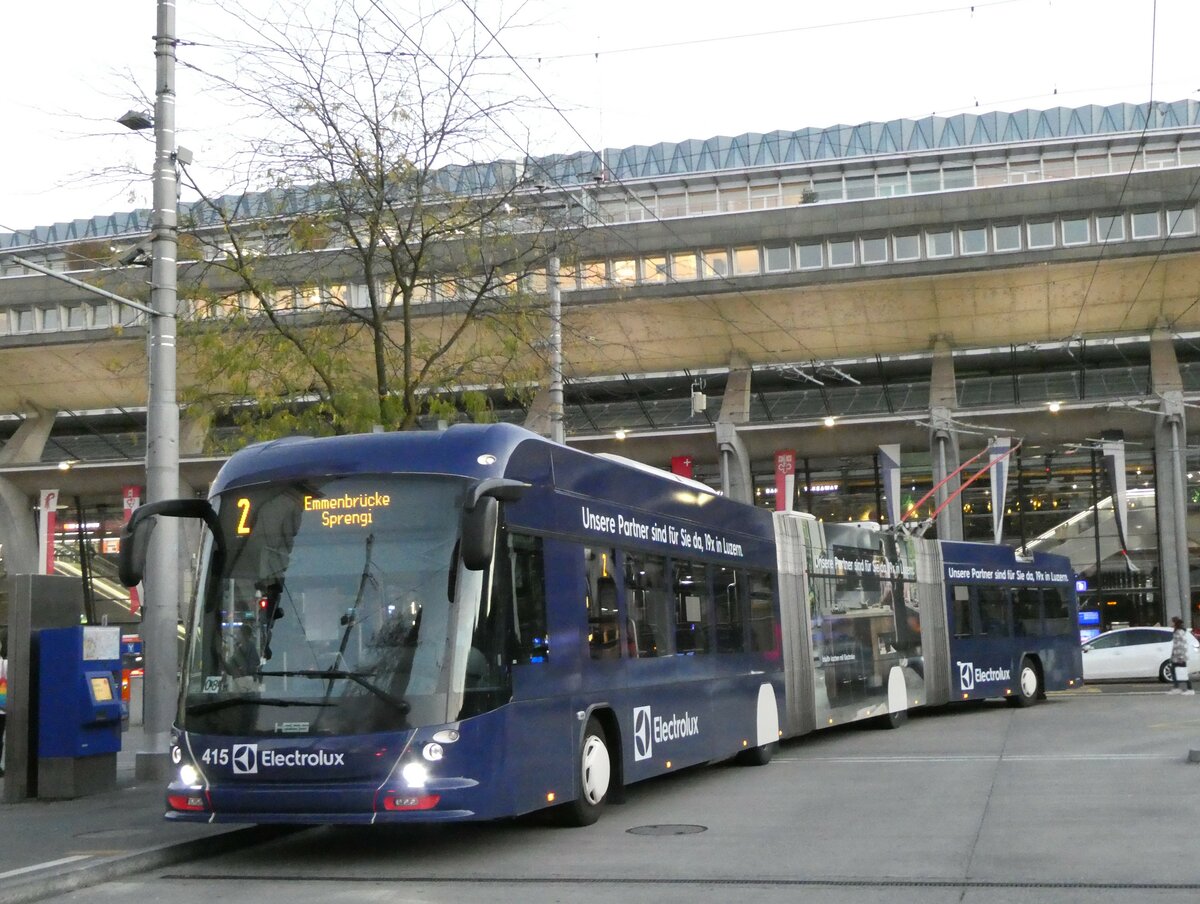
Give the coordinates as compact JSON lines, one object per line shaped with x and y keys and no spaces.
{"x":1179,"y":657}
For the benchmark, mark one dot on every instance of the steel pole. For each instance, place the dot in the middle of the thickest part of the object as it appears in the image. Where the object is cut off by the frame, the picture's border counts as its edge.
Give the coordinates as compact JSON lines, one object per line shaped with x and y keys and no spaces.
{"x":558,"y":430}
{"x":161,"y":604}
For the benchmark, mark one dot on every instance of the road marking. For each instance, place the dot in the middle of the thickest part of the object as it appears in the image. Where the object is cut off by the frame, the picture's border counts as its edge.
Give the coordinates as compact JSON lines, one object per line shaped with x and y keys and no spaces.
{"x":47,"y":865}
{"x":983,"y":758}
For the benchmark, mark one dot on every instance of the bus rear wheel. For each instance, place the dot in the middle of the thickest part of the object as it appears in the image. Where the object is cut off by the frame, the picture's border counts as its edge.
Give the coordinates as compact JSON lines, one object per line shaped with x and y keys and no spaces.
{"x":595,"y":774}
{"x":1029,"y":684}
{"x":756,"y":756}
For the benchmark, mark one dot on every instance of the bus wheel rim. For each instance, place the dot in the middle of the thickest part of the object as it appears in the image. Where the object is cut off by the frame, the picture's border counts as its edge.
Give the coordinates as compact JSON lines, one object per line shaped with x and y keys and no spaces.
{"x":1029,"y":681}
{"x":596,"y":770}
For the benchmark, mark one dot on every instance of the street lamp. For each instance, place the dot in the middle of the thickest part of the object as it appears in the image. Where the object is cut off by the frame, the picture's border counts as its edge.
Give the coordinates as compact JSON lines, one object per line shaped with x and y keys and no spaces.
{"x":161,"y":606}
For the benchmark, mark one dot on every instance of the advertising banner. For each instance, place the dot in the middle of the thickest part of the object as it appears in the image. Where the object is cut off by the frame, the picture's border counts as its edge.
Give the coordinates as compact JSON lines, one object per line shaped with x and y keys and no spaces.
{"x":785,"y":479}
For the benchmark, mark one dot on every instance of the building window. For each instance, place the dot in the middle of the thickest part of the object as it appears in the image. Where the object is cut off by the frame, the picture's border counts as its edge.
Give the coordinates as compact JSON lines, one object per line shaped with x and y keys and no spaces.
{"x":745,"y":261}
{"x":906,"y":247}
{"x":809,"y":257}
{"x":893,"y":185}
{"x":778,"y":259}
{"x":828,"y":189}
{"x":52,"y":323}
{"x":76,"y":317}
{"x":654,"y":269}
{"x":1145,"y":225}
{"x":764,"y":196}
{"x":672,"y":206}
{"x":874,"y":250}
{"x":939,"y":244}
{"x":1041,"y":235}
{"x":1007,"y":237}
{"x":1181,"y":222}
{"x":702,"y":202}
{"x":592,"y":275}
{"x":716,"y":263}
{"x":860,"y":187}
{"x":624,"y":272}
{"x":1076,"y":231}
{"x":961,"y":177}
{"x":101,"y":316}
{"x":308,"y":298}
{"x":683,"y":266}
{"x":928,"y":181}
{"x":1110,"y":229}
{"x":841,"y":254}
{"x":972,"y":240}
{"x":26,"y":320}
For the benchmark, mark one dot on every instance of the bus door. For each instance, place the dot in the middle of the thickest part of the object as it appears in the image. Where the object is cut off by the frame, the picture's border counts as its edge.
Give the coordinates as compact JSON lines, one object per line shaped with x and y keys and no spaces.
{"x":981,"y":641}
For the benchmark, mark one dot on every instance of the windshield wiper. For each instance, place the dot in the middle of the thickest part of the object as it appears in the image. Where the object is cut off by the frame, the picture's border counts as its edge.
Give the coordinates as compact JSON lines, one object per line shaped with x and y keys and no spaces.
{"x":331,"y":675}
{"x":209,"y":706}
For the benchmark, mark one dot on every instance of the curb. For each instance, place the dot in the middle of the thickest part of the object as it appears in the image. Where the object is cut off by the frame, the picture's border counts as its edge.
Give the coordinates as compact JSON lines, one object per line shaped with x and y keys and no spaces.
{"x":99,"y":871}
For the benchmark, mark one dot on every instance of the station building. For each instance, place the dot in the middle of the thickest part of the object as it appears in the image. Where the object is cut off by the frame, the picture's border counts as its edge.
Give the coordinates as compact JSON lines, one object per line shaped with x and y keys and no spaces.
{"x":861,"y":301}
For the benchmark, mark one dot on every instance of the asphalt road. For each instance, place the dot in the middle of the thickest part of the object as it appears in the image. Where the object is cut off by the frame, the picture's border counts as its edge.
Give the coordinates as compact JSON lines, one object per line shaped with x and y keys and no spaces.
{"x":1087,"y":797}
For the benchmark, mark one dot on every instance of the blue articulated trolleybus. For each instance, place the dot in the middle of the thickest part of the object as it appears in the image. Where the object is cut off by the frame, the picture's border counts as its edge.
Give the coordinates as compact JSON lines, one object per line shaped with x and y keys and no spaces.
{"x":478,"y":623}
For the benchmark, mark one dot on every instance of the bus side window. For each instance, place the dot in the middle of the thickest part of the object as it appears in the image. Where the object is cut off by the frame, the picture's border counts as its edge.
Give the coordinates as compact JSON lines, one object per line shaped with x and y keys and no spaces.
{"x":730,"y":594}
{"x":1027,"y":612}
{"x":764,"y":624}
{"x":529,"y":599}
{"x":691,"y":596}
{"x":994,"y":611}
{"x":1057,"y":612}
{"x":648,"y":606}
{"x":962,"y":611}
{"x":604,"y":623}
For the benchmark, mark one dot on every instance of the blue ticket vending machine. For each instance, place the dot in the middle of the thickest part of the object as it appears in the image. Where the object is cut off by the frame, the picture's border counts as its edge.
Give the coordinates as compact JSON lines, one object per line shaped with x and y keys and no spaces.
{"x":79,"y":701}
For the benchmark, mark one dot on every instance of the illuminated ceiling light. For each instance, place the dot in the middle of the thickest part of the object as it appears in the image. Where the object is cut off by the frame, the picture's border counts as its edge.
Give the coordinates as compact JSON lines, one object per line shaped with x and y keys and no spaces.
{"x":65,"y":465}
{"x":620,"y":434}
{"x":830,"y":421}
{"x":1054,"y":407}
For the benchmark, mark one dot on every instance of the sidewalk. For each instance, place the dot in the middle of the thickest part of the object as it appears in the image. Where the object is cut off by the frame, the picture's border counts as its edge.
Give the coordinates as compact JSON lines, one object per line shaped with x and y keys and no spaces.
{"x":55,"y":846}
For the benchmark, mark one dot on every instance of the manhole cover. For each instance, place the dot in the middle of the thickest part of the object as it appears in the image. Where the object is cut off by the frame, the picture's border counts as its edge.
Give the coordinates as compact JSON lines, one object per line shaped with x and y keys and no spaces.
{"x":667,"y":830}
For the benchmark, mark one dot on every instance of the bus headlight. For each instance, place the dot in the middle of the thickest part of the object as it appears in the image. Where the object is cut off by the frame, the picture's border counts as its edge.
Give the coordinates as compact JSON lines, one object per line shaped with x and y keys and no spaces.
{"x":414,"y":775}
{"x":189,"y":775}
{"x":433,"y":752}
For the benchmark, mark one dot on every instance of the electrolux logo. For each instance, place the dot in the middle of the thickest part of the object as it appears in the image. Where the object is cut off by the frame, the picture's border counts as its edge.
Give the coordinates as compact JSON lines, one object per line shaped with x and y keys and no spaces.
{"x":643,"y":742}
{"x":245,"y":759}
{"x":649,"y":729}
{"x":966,"y":676}
{"x":969,"y":676}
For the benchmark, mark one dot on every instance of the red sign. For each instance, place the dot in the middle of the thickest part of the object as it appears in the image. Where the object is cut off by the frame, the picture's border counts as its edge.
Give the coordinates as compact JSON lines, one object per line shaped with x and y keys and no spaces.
{"x":683,"y":465}
{"x":785,"y":479}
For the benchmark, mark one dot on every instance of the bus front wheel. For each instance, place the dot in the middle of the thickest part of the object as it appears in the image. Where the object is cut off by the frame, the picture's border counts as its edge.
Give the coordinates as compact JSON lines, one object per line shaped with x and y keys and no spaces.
{"x":1029,"y":684}
{"x":595,"y":774}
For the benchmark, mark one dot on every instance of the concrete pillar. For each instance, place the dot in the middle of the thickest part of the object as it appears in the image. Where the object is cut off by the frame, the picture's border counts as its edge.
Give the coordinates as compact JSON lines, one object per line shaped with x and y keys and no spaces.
{"x":736,"y":479}
{"x":538,"y":417}
{"x":1170,"y":468}
{"x":943,"y":440}
{"x":18,"y":527}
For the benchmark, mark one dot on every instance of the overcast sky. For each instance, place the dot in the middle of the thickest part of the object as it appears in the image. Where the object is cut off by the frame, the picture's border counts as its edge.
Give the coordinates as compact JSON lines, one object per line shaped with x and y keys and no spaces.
{"x":622,"y":72}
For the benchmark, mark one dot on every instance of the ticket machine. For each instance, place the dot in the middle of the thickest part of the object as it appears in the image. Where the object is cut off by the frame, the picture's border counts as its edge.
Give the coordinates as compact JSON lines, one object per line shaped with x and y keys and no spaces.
{"x":79,"y":710}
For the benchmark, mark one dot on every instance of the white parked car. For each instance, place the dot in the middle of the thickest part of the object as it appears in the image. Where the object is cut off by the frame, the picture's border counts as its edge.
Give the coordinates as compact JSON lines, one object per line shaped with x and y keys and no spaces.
{"x":1135,"y":653}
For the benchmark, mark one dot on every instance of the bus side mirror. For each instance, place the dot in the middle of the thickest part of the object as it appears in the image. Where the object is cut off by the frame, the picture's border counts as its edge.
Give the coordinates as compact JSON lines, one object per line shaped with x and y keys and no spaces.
{"x":479,"y":533}
{"x":135,"y":535}
{"x":481,"y":516}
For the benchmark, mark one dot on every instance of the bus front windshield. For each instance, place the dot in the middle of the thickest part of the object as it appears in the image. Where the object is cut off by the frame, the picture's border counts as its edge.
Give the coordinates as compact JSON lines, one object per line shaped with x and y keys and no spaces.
{"x":331,"y":606}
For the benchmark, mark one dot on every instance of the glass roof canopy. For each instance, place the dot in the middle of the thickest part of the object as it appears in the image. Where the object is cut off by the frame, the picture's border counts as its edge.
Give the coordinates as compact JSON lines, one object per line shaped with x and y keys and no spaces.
{"x":750,"y":150}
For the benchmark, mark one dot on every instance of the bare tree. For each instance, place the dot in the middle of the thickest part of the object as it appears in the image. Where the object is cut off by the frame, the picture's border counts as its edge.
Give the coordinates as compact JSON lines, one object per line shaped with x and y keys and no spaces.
{"x":372,"y":271}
